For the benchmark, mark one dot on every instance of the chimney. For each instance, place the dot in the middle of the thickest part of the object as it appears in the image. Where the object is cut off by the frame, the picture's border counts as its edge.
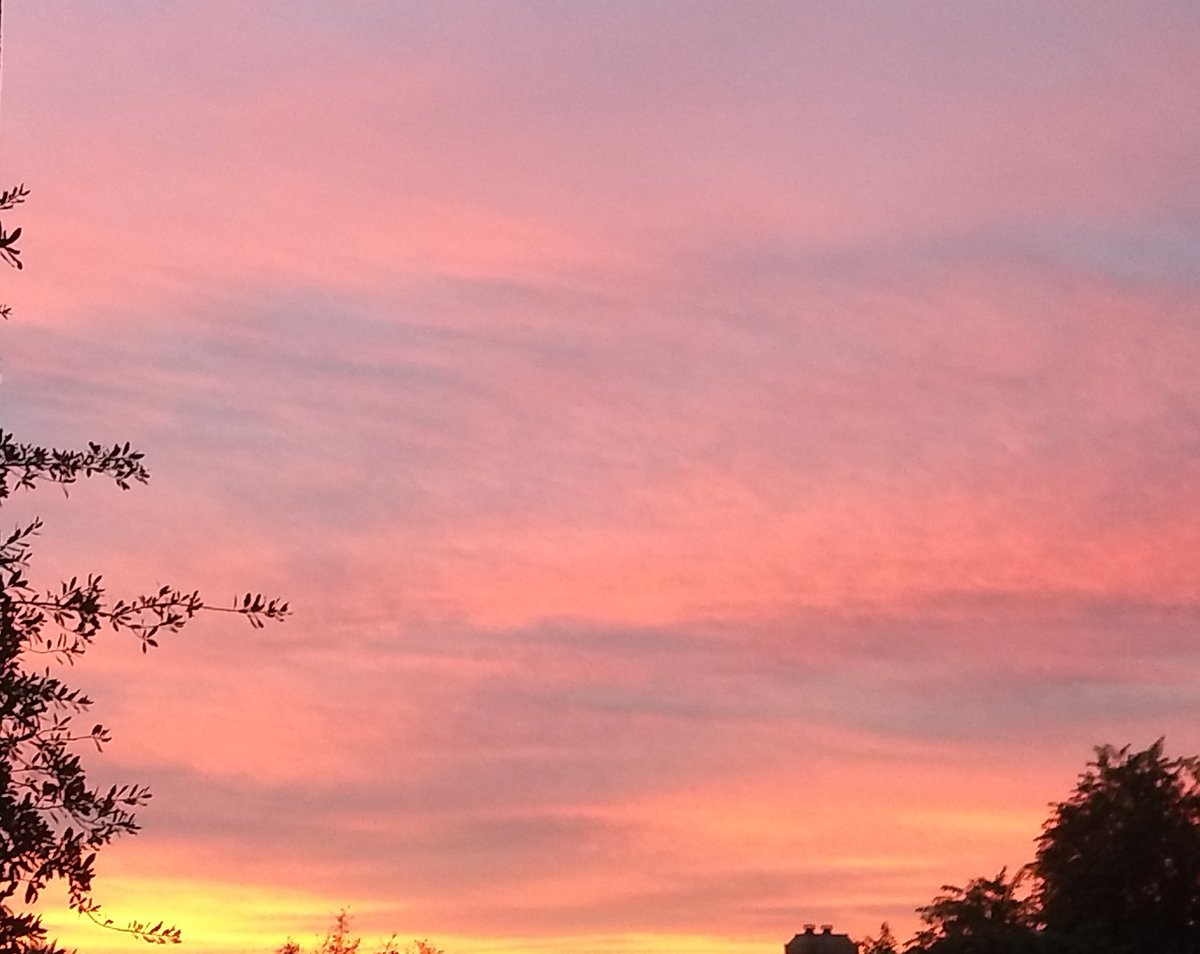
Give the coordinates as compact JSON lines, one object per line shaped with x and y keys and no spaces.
{"x":826,"y":928}
{"x":809,"y":928}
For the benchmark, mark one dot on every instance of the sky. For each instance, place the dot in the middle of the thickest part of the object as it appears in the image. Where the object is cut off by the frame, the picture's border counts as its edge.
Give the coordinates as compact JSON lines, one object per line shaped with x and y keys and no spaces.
{"x":730,"y":463}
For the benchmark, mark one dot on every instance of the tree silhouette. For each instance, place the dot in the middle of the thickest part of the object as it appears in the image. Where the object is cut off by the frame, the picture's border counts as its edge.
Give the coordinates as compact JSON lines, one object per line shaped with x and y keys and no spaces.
{"x":988,"y":916}
{"x":52,"y":822}
{"x":1118,"y":863}
{"x":1117,"y":871}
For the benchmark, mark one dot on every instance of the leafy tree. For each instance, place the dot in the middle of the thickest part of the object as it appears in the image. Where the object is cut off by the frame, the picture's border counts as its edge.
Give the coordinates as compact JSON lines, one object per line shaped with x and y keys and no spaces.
{"x":1117,"y":871}
{"x":52,"y":822}
{"x":1118,"y":863}
{"x":988,"y":916}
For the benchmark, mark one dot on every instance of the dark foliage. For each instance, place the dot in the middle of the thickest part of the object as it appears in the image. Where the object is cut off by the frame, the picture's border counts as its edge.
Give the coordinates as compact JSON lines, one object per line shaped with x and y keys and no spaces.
{"x":1118,"y":863}
{"x":52,"y":822}
{"x":988,"y":916}
{"x":10,"y":198}
{"x":1117,"y":871}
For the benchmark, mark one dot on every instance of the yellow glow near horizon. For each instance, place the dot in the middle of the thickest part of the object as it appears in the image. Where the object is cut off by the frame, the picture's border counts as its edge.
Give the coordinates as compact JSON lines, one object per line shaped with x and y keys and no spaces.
{"x":214,"y":916}
{"x":224,"y":918}
{"x":230,"y":918}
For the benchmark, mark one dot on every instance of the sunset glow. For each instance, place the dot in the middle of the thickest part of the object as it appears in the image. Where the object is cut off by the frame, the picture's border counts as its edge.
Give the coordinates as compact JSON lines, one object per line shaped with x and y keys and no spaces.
{"x":729,"y":462}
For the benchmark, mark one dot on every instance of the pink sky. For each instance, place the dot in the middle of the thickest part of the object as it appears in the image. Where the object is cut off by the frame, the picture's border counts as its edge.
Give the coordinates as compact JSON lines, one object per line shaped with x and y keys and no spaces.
{"x":730,"y":462}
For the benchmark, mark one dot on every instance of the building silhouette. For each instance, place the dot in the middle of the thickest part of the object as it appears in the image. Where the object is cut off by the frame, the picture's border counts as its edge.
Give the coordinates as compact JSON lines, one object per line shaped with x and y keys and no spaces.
{"x":826,"y":942}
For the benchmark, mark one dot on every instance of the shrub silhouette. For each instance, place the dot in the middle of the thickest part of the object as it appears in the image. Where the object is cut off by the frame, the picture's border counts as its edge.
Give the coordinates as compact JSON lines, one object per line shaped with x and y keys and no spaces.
{"x":339,"y":940}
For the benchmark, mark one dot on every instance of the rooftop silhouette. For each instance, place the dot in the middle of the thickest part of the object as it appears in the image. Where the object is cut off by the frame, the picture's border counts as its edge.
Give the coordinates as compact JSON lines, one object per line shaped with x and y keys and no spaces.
{"x":825,"y":942}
